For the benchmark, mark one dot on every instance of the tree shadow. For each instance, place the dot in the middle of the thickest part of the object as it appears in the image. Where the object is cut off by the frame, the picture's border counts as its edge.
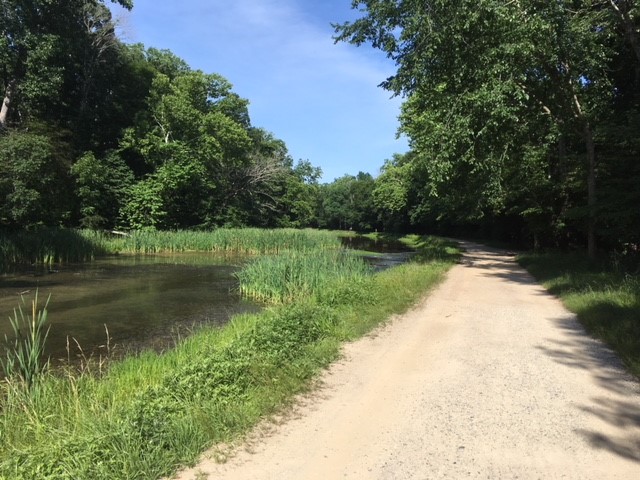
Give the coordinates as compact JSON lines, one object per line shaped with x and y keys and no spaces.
{"x":578,"y":350}
{"x":46,"y":246}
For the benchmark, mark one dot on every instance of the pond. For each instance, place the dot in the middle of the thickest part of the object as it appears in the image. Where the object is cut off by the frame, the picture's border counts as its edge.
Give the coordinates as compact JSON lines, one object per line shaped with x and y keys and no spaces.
{"x":386,"y":253}
{"x":143,"y":302}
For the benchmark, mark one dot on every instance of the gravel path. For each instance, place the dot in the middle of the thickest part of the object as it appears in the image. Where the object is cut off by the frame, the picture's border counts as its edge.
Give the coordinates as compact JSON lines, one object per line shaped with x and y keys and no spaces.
{"x":489,"y":377}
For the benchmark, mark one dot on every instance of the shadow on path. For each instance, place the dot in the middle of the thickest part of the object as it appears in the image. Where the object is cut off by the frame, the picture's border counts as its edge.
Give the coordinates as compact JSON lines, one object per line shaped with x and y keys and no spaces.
{"x":578,"y":350}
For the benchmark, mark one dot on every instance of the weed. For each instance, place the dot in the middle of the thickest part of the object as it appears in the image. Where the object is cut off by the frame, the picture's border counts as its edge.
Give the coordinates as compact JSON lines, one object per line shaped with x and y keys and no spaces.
{"x":23,"y":359}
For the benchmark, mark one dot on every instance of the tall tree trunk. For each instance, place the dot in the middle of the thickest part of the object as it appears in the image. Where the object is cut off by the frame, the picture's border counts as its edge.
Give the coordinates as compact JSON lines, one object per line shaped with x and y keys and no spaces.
{"x":628,"y":25}
{"x":6,"y":103}
{"x":591,"y":173}
{"x":591,"y":190}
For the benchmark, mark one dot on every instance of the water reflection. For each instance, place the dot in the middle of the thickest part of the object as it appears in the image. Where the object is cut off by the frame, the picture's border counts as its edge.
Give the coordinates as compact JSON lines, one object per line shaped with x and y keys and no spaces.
{"x":143,"y":301}
{"x":388,"y":252}
{"x":378,"y":245}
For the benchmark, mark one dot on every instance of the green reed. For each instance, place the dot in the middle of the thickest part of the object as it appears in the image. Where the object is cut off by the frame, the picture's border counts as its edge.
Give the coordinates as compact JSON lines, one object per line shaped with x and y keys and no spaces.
{"x":225,"y":240}
{"x":294,"y":274}
{"x":24,"y":353}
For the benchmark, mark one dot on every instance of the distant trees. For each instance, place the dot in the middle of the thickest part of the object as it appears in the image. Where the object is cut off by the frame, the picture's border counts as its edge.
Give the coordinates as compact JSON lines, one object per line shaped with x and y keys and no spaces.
{"x":101,"y":134}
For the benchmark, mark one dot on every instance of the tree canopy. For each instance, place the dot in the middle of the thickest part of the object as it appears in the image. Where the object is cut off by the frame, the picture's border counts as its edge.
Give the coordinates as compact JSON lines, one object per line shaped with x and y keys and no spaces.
{"x":97,"y":133}
{"x":513,"y":110}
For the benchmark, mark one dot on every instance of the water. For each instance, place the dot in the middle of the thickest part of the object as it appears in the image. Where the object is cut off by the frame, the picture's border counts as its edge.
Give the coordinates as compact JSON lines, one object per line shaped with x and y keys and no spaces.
{"x":387,"y":252}
{"x":144,"y":302}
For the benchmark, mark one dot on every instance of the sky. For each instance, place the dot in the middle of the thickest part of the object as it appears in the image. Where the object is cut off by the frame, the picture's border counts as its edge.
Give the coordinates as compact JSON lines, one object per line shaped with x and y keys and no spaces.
{"x":322,"y":99}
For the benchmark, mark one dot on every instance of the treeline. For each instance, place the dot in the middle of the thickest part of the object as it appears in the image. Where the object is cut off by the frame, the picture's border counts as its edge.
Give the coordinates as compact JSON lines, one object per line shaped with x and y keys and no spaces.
{"x":100,"y":134}
{"x":523,"y":117}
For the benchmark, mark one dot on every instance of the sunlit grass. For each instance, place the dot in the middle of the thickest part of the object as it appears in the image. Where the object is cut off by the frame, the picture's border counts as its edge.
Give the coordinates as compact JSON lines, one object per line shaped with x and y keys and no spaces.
{"x":49,"y":246}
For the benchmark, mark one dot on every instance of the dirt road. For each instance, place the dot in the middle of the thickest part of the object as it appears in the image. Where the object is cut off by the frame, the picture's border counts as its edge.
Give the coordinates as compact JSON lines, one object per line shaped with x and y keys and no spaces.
{"x":489,"y":377}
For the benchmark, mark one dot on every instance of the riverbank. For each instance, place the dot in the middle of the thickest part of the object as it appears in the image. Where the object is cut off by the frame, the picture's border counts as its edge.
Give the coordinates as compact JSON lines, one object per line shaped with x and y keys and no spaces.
{"x":149,"y":414}
{"x":60,"y":245}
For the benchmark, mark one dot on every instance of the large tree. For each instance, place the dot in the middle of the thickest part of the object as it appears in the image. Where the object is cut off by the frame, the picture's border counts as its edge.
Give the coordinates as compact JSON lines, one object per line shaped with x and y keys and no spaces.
{"x":50,"y":53}
{"x":487,"y":82}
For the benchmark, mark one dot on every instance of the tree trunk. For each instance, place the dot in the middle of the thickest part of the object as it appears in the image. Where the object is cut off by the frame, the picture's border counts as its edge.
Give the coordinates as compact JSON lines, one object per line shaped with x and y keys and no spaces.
{"x":628,"y":25}
{"x":4,"y":110}
{"x":591,"y":190}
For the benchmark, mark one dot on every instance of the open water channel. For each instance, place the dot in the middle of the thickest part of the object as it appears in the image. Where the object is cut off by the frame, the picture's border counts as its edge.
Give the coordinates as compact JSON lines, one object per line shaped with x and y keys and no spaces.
{"x":125,"y":303}
{"x":143,"y":302}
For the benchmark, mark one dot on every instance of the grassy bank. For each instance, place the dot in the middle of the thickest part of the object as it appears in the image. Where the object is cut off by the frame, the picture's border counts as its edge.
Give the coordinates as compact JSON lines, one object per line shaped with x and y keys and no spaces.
{"x":151,"y":413}
{"x":606,"y":300}
{"x":50,"y":246}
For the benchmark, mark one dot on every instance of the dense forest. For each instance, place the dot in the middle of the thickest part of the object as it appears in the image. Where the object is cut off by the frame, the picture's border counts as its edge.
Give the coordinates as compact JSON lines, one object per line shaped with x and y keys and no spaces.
{"x":523,"y":119}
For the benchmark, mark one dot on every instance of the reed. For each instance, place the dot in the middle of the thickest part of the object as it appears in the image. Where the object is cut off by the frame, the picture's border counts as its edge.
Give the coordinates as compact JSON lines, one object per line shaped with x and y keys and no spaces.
{"x":24,"y":352}
{"x":294,"y":274}
{"x":224,"y":240}
{"x":50,"y":246}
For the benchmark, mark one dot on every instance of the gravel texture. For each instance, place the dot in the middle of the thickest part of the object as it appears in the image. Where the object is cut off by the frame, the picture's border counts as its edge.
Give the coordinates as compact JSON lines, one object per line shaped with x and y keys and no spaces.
{"x":489,"y":377}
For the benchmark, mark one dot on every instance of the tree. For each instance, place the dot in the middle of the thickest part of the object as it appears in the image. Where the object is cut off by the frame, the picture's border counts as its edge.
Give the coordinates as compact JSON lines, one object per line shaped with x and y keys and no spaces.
{"x":101,"y":187}
{"x":32,"y":181}
{"x":41,"y":45}
{"x":347,"y":203}
{"x":480,"y":77}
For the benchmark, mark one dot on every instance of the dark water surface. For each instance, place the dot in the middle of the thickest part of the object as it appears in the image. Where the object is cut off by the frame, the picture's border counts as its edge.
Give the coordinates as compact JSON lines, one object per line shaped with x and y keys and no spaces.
{"x":144,"y":301}
{"x":387,"y":252}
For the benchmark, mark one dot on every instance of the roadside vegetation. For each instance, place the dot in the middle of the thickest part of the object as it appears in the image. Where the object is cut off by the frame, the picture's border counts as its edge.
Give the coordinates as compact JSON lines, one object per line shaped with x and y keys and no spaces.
{"x":605,"y":296}
{"x":146,"y":415}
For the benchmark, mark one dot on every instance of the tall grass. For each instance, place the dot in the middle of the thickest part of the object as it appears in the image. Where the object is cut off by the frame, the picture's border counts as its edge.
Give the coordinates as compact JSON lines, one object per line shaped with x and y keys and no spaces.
{"x":605,"y":299}
{"x":50,"y":246}
{"x":66,"y":245}
{"x":150,"y":413}
{"x":23,"y":361}
{"x":295,"y":274}
{"x":224,"y":240}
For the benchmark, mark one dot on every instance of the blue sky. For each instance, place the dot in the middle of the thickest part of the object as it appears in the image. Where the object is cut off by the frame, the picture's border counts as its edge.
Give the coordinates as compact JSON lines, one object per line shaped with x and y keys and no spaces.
{"x":320,"y":98}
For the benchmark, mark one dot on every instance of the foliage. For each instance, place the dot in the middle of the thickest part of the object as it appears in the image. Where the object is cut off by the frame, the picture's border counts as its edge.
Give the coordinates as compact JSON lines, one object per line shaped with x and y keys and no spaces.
{"x":347,"y":203}
{"x":514,"y":112}
{"x":128,"y":137}
{"x":101,"y":187}
{"x":31,"y":180}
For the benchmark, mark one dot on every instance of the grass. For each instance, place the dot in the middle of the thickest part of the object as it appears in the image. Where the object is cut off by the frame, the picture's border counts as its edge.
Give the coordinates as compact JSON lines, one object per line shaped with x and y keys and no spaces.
{"x":151,"y":413}
{"x":23,"y":359}
{"x":605,"y":299}
{"x":50,"y":246}
{"x":294,"y":274}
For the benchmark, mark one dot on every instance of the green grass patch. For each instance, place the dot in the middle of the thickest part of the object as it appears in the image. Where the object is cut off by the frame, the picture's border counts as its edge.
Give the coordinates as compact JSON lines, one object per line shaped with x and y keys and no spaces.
{"x":606,"y":300}
{"x":293,"y":274}
{"x":49,"y":246}
{"x":151,"y":413}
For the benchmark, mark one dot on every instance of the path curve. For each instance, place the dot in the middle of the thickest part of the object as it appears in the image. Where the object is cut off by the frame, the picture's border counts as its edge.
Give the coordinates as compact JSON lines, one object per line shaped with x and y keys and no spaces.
{"x":489,"y":377}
